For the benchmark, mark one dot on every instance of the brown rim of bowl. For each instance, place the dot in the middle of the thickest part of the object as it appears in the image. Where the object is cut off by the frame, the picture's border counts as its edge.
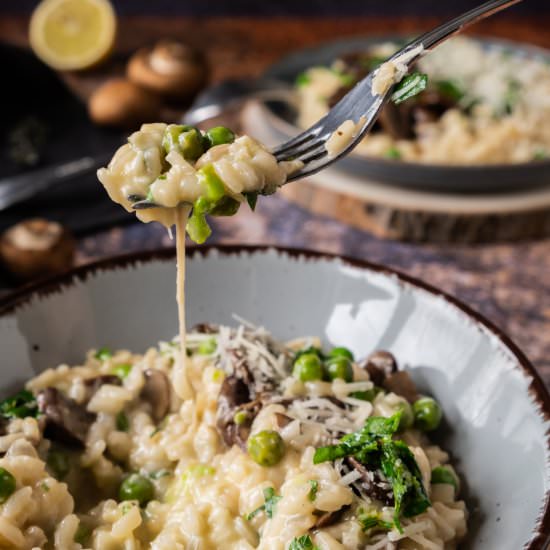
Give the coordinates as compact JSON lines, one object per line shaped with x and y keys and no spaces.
{"x":537,"y":390}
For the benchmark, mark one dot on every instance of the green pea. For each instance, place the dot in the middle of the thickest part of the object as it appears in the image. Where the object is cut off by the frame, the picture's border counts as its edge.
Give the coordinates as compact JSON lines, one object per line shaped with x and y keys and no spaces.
{"x":122,"y":370}
{"x":440,"y":474}
{"x":339,"y":367}
{"x":137,"y":487}
{"x":7,"y":485}
{"x":103,"y":354}
{"x":407,"y":416}
{"x":341,"y":352}
{"x":219,"y":135}
{"x":207,"y":347}
{"x":170,"y":140}
{"x":211,"y":182}
{"x":226,"y":206}
{"x":308,"y":367}
{"x":240,"y":417}
{"x":58,"y":462}
{"x":368,"y":395}
{"x":266,"y":448}
{"x":427,"y":414}
{"x":122,"y":422}
{"x":191,"y":144}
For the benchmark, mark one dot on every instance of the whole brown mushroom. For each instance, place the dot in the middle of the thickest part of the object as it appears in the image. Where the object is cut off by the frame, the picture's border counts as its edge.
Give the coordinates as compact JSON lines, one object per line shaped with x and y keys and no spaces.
{"x":169,"y":68}
{"x":123,"y":104}
{"x":36,"y":248}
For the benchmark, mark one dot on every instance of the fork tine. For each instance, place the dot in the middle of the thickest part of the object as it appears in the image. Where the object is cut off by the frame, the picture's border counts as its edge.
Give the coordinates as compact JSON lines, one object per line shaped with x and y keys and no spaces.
{"x":295,"y":142}
{"x":300,"y":150}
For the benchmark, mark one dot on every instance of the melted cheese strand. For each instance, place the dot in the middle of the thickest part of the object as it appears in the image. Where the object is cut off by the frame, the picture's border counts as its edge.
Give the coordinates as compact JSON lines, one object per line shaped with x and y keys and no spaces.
{"x":181,"y":380}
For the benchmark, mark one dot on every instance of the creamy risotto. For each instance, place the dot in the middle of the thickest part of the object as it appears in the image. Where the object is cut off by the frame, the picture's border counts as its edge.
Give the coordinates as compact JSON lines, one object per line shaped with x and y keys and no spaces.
{"x":282,"y":446}
{"x":481,"y":106}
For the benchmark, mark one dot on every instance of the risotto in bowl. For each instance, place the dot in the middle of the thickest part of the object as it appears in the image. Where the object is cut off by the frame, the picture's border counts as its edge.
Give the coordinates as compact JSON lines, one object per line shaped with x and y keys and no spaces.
{"x":333,"y":405}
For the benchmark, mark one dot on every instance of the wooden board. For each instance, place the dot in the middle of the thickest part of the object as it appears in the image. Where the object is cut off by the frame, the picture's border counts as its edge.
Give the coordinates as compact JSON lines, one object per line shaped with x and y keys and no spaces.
{"x":414,"y":215}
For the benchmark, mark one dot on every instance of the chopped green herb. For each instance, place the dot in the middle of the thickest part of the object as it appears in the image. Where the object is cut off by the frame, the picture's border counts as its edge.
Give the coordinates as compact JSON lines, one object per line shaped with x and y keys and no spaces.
{"x":440,"y":474}
{"x":103,"y":354}
{"x":511,"y":97}
{"x":409,"y":87}
{"x":541,"y":154}
{"x":7,"y":485}
{"x":58,"y":463}
{"x":45,"y":487}
{"x":251,"y":199}
{"x":270,"y":503}
{"x":150,"y":196}
{"x":122,"y":422}
{"x":162,"y":177}
{"x":20,"y":405}
{"x":82,"y":534}
{"x":314,"y":487}
{"x":122,"y":370}
{"x":302,"y":79}
{"x":393,"y":153}
{"x":450,"y":88}
{"x":368,"y":395}
{"x":373,"y":521}
{"x":302,"y":543}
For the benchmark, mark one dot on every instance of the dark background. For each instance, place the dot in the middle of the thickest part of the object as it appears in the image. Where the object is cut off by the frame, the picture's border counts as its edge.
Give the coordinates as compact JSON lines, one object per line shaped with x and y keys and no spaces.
{"x":290,"y":7}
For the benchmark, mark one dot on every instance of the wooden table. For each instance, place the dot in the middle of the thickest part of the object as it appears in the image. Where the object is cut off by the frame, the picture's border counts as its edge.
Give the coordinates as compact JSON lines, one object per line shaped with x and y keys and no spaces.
{"x":509,"y":283}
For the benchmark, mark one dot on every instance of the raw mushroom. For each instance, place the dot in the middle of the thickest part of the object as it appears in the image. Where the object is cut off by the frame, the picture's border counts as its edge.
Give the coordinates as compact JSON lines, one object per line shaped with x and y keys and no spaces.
{"x":170,"y":68}
{"x":36,"y":247}
{"x":123,"y":104}
{"x":65,"y":420}
{"x":156,"y":391}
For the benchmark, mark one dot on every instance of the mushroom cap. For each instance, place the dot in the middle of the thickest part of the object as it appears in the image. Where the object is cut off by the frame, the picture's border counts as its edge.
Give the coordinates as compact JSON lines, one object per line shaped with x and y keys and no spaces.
{"x":123,"y":104}
{"x":36,"y":247}
{"x":169,"y":68}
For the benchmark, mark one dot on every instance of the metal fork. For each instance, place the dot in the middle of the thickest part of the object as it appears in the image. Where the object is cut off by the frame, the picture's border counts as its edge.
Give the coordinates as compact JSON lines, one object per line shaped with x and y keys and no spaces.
{"x":310,"y":146}
{"x":360,"y":103}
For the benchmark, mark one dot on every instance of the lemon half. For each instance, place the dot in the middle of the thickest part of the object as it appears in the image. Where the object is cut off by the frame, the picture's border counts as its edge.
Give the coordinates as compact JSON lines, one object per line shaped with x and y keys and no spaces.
{"x":72,"y":34}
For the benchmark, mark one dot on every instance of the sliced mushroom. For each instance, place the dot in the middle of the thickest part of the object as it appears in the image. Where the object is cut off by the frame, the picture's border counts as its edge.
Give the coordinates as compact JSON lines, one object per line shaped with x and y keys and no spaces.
{"x":205,"y":328}
{"x":65,"y":420}
{"x":330,"y":518}
{"x":234,"y":397}
{"x":282,"y":420}
{"x":156,"y":391}
{"x":401,"y":384}
{"x":93,"y":384}
{"x":379,"y":365}
{"x":371,"y":483}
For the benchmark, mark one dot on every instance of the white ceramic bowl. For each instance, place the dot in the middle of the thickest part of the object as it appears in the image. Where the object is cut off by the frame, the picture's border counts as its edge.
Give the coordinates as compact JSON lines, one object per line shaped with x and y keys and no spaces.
{"x":495,"y":405}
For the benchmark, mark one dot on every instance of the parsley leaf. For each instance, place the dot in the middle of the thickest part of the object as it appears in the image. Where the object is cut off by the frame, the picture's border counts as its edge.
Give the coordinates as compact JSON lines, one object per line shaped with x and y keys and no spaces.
{"x":20,"y":405}
{"x":269,"y":505}
{"x":409,"y":87}
{"x":302,"y":543}
{"x":314,"y":487}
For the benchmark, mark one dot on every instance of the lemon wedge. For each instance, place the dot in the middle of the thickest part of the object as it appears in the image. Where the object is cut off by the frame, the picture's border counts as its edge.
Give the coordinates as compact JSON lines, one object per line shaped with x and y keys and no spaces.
{"x":72,"y":34}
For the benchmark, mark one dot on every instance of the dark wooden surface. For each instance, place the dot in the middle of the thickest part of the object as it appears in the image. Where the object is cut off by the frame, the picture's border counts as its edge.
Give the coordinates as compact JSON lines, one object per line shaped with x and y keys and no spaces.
{"x":509,"y":283}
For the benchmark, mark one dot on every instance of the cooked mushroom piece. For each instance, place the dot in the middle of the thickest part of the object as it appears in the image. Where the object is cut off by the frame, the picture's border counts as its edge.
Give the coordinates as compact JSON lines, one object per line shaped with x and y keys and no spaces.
{"x":379,"y":365}
{"x":371,"y":483}
{"x":401,"y":384}
{"x":205,"y":328}
{"x":156,"y":391}
{"x":330,"y":518}
{"x":65,"y":420}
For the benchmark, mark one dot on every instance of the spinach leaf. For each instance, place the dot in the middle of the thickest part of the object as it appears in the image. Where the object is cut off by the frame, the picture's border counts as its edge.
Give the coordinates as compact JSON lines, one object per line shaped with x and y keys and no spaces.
{"x":409,"y":87}
{"x":302,"y":543}
{"x":20,"y":405}
{"x":400,"y":468}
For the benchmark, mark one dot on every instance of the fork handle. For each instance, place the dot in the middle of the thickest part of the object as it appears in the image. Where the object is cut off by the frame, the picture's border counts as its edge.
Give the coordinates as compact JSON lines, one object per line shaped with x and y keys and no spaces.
{"x":456,"y":25}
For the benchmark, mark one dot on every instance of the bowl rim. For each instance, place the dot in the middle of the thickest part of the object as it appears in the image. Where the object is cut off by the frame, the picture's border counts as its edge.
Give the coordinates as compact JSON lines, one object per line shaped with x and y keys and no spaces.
{"x":521,"y":49}
{"x":10,"y":303}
